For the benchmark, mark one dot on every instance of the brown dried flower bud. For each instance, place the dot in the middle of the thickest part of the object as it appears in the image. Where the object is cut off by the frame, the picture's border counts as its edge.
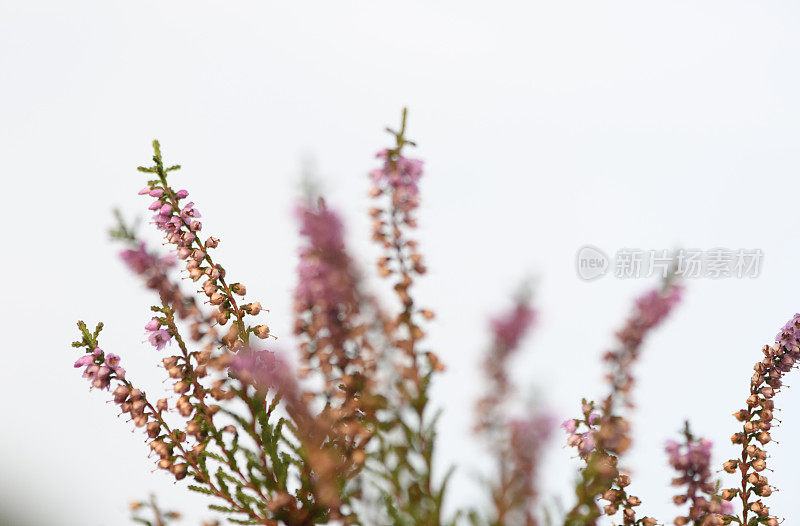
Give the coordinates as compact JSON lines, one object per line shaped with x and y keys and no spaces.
{"x":217,"y":298}
{"x":179,"y":470}
{"x":121,"y":394}
{"x":252,"y":308}
{"x":729,"y":494}
{"x":153,"y":428}
{"x":239,"y":289}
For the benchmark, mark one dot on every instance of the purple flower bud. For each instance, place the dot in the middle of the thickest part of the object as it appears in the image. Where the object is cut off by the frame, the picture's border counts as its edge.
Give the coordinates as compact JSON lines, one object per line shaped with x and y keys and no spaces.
{"x":153,"y":325}
{"x":155,"y":205}
{"x":181,"y":194}
{"x":570,"y":426}
{"x":158,"y":192}
{"x":145,"y":190}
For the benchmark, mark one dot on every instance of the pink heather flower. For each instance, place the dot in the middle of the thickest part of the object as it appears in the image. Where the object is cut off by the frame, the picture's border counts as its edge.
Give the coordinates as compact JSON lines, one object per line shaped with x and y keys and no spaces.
{"x":112,"y":360}
{"x":587,"y":444}
{"x":404,"y":174}
{"x":324,"y":273}
{"x":527,"y":437}
{"x":570,"y":426}
{"x":153,"y":325}
{"x":789,"y":336}
{"x":692,"y":460}
{"x":510,"y":327}
{"x":654,"y":306}
{"x":190,"y":211}
{"x":84,"y":360}
{"x":100,"y":374}
{"x":181,"y":194}
{"x":323,"y":227}
{"x":159,"y":338}
{"x":266,"y":370}
{"x":145,"y":190}
{"x":155,"y":205}
{"x":157,"y":192}
{"x":141,"y":261}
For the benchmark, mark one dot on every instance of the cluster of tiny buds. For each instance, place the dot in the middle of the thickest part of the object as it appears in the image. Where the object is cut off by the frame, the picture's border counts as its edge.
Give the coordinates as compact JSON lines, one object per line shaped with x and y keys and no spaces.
{"x":181,"y":226}
{"x":758,"y":419}
{"x":582,"y":440}
{"x":618,"y":498}
{"x":100,"y":368}
{"x":134,"y":403}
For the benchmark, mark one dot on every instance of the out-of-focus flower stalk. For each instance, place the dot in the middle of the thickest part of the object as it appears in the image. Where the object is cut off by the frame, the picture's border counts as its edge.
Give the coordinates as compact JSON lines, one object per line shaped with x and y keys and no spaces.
{"x":602,"y":436}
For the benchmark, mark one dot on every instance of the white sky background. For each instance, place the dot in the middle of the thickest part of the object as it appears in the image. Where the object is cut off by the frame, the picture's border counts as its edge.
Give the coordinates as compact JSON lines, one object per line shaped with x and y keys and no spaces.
{"x":544,"y":126}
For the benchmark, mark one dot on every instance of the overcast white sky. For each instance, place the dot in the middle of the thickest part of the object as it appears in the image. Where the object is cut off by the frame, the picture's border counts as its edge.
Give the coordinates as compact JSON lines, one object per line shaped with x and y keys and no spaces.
{"x":545,"y":126}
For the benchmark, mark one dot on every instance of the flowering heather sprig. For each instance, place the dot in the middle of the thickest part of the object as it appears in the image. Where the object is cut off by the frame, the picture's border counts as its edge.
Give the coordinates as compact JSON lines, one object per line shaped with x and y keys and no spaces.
{"x":610,"y":432}
{"x":515,"y":443}
{"x":508,"y":329}
{"x":180,"y":224}
{"x":757,"y":421}
{"x":154,"y":270}
{"x":405,"y":455}
{"x":650,"y":309}
{"x":100,"y":369}
{"x":691,"y":458}
{"x":157,"y":336}
{"x":581,"y":431}
{"x":334,"y":329}
{"x":528,"y":436}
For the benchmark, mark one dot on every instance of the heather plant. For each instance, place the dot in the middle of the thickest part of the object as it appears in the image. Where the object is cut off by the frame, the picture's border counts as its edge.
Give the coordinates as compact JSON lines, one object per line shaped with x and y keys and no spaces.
{"x":345,"y":432}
